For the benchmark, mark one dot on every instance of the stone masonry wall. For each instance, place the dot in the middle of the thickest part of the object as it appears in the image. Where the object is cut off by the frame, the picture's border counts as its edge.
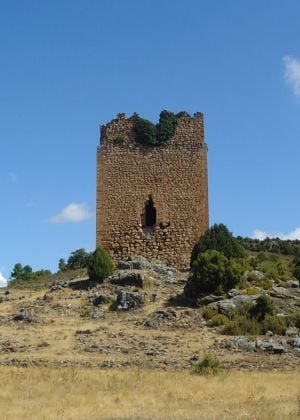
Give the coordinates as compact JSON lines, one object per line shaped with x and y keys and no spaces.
{"x":174,"y":175}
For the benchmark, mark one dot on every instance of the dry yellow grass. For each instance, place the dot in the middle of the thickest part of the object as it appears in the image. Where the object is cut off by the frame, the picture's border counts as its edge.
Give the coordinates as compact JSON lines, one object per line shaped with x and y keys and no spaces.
{"x":72,"y":393}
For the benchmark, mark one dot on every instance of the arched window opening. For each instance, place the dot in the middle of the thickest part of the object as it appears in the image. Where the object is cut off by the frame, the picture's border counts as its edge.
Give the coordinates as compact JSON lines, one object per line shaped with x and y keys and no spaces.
{"x":149,"y":215}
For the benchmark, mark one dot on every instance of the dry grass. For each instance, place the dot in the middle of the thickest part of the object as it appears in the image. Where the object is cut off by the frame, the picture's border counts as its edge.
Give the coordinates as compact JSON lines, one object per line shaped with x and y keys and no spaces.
{"x":72,"y":393}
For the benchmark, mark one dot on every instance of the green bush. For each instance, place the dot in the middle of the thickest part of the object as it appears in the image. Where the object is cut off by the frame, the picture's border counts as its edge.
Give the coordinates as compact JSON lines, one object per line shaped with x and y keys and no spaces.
{"x":274,"y":323}
{"x":145,"y":132}
{"x":220,"y":239}
{"x":219,"y":319}
{"x":296,"y":270}
{"x":294,"y":320}
{"x":208,"y":313}
{"x":242,"y":325}
{"x":166,"y":127}
{"x":262,"y":282}
{"x":213,"y":272}
{"x":100,"y":265}
{"x":263,"y":306}
{"x":297,"y":319}
{"x":251,"y":291}
{"x":272,"y":265}
{"x":208,"y":365}
{"x":149,"y":134}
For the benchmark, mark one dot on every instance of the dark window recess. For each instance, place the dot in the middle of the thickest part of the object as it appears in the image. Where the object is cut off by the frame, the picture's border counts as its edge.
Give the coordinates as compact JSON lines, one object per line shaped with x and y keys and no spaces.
{"x":149,"y":215}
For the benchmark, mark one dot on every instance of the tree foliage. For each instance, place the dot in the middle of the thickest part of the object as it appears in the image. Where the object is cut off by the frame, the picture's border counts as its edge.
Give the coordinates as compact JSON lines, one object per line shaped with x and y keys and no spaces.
{"x":149,"y":134}
{"x":219,"y":238}
{"x":263,"y":306}
{"x":23,"y":274}
{"x":275,"y":245}
{"x":145,"y":132}
{"x":166,"y":127}
{"x":100,"y":265}
{"x":78,"y":259}
{"x":62,"y":265}
{"x":296,"y":271}
{"x":213,"y":272}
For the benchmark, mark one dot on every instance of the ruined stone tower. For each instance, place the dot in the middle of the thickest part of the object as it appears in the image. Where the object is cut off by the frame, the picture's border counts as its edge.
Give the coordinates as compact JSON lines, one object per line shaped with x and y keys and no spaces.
{"x":152,"y":200}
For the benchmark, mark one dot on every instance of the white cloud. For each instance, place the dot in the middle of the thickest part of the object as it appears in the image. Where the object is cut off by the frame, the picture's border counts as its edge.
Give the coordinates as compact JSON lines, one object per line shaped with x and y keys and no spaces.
{"x":73,"y":213}
{"x":261,"y":234}
{"x":292,"y":73}
{"x":3,"y":281}
{"x":12,"y":177}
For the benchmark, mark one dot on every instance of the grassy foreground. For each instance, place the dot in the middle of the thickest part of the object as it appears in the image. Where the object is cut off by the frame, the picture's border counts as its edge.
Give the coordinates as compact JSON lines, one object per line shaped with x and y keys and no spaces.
{"x":73,"y":393}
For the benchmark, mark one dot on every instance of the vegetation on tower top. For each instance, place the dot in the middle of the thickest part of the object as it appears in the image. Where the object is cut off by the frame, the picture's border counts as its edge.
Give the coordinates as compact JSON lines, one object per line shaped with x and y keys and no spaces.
{"x":149,"y":134}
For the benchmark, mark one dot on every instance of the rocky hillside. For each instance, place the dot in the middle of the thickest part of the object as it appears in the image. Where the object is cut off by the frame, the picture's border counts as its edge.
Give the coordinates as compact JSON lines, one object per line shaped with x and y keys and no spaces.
{"x":139,"y":317}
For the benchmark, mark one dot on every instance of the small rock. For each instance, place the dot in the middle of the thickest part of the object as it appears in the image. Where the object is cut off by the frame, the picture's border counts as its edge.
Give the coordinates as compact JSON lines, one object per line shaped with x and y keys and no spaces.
{"x":151,"y":324}
{"x":24,"y":315}
{"x":154,"y":297}
{"x":233,"y":292}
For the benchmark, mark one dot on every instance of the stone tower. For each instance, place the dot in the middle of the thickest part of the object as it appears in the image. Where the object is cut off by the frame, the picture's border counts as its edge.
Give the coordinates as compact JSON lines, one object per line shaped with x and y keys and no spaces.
{"x":152,"y":201}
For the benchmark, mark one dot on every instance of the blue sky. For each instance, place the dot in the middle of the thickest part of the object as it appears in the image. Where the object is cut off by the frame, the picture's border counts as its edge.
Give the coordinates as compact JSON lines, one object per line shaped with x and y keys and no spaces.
{"x":68,"y":66}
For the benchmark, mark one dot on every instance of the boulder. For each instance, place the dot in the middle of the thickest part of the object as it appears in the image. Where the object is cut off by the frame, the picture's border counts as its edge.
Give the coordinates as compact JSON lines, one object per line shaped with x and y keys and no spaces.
{"x":291,"y":332}
{"x":140,"y":263}
{"x":296,"y":342}
{"x":129,"y":300}
{"x":280,"y":292}
{"x":271,"y":346}
{"x":58,"y":285}
{"x":241,"y":300}
{"x":225,"y":307}
{"x":101,"y":299}
{"x":241,"y":343}
{"x":233,"y":292}
{"x":128,"y":278}
{"x":293,"y":283}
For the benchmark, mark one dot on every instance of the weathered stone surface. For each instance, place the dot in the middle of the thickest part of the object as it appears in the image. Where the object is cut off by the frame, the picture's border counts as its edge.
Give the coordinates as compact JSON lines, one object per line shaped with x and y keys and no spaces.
{"x":128,"y":278}
{"x":58,"y":285}
{"x":129,"y":300}
{"x":293,"y":283}
{"x":225,"y":307}
{"x":233,"y":293}
{"x":102,"y":299}
{"x":276,"y":347}
{"x":281,"y":292}
{"x":241,"y":343}
{"x":296,"y":342}
{"x":241,"y":300}
{"x":174,"y":176}
{"x":291,"y":332}
{"x":23,"y":315}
